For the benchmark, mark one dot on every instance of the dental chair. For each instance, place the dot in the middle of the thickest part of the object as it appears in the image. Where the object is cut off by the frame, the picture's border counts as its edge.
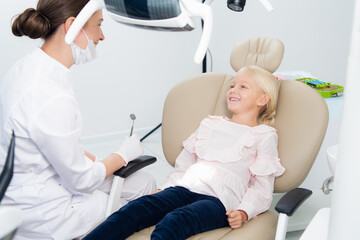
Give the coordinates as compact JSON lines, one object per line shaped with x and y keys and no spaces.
{"x":301,"y":123}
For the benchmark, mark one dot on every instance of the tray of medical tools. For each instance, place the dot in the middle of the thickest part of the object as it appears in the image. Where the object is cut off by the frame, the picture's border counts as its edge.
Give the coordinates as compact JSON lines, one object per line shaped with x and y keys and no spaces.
{"x":326,"y":89}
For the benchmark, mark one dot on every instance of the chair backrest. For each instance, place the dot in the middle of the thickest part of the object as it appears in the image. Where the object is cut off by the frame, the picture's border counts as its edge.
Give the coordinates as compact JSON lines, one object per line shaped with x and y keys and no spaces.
{"x":266,"y":53}
{"x":301,"y":118}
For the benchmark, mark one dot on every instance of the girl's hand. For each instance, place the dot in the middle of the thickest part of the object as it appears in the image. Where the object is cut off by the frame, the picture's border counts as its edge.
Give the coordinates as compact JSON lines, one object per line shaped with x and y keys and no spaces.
{"x":236,"y":218}
{"x":156,"y":191}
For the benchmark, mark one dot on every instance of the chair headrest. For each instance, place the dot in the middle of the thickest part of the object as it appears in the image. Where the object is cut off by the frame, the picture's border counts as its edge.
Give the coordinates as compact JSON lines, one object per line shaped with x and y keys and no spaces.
{"x":266,"y":53}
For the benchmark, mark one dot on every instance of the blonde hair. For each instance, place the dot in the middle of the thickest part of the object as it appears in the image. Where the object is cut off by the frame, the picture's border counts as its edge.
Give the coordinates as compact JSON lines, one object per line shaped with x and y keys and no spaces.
{"x":270,"y":85}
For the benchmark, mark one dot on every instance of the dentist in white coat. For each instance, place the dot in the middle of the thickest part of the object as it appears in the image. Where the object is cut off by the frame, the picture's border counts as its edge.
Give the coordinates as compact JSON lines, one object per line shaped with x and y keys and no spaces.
{"x":60,"y":188}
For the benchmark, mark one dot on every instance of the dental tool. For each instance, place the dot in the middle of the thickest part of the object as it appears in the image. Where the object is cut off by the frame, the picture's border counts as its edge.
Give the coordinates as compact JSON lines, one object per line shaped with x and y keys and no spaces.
{"x":133,"y":117}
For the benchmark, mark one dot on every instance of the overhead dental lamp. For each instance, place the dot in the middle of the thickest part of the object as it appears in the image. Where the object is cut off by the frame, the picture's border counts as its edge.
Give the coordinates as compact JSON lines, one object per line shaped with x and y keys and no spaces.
{"x":236,"y":5}
{"x":167,"y":15}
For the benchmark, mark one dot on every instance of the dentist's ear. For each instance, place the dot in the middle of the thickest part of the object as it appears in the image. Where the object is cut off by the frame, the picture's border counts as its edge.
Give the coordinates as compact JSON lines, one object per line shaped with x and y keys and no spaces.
{"x":67,"y":26}
{"x":263,"y":100}
{"x":68,"y":23}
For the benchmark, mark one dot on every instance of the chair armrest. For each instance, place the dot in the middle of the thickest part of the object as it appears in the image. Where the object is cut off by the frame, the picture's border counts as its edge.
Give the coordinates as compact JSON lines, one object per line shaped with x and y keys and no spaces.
{"x":135,"y":165}
{"x":292,"y":200}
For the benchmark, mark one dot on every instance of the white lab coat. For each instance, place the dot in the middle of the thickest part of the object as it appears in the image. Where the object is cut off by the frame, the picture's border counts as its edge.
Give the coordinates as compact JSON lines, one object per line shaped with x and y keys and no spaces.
{"x":54,"y":184}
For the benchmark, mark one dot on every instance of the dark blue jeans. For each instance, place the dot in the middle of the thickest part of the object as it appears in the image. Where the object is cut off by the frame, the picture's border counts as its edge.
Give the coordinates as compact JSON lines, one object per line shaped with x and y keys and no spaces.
{"x":177,"y":213}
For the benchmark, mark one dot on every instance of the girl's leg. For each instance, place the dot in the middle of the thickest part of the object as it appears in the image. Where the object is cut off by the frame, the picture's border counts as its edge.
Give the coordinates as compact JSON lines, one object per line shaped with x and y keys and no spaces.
{"x":137,"y":185}
{"x":207,"y":213}
{"x":143,"y":212}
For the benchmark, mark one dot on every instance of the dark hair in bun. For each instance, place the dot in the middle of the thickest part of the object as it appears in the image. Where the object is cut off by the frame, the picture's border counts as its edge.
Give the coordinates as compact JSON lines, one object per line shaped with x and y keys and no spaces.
{"x":49,"y":15}
{"x":32,"y":24}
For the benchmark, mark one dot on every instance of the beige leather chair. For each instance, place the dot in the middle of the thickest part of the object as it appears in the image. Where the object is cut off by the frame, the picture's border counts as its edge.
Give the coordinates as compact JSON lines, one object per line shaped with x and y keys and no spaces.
{"x":301,"y":122}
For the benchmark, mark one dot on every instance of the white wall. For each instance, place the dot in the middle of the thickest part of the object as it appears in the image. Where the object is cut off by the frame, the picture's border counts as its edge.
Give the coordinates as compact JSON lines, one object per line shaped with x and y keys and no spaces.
{"x":316,"y":34}
{"x":136,"y":68}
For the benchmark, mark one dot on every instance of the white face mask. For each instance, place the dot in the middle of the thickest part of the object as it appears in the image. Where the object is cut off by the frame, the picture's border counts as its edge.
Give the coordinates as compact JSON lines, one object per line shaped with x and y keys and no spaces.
{"x":83,"y":55}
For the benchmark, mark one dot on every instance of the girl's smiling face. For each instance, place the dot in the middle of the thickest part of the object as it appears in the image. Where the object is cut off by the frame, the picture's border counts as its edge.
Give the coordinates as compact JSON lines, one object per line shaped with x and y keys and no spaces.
{"x":244,"y":94}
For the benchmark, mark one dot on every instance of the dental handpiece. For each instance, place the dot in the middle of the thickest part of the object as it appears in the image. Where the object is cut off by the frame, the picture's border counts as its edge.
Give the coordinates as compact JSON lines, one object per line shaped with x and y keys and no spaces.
{"x":133,"y":117}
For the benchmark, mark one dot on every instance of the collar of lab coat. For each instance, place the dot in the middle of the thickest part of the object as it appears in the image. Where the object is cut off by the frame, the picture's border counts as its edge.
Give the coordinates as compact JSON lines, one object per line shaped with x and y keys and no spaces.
{"x":51,"y":66}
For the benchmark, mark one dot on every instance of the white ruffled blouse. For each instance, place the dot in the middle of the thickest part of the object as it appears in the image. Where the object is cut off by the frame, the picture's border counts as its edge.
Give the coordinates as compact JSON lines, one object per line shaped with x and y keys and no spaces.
{"x":233,"y":162}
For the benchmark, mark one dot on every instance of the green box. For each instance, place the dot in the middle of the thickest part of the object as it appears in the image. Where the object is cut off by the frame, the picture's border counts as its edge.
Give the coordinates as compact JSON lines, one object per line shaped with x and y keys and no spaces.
{"x":326,"y":92}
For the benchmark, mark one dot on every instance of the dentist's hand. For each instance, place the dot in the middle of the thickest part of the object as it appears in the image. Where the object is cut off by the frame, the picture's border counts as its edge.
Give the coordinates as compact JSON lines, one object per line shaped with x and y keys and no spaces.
{"x":130,"y":148}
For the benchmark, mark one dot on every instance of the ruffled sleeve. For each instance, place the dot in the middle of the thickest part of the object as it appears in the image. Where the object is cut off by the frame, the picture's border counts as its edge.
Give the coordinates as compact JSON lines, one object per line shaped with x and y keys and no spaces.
{"x":267,"y":161}
{"x":264,"y":169}
{"x":264,"y":166}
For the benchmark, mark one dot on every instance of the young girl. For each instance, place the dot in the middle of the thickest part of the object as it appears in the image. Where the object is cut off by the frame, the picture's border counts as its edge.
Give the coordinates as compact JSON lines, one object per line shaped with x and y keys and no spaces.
{"x":224,"y":175}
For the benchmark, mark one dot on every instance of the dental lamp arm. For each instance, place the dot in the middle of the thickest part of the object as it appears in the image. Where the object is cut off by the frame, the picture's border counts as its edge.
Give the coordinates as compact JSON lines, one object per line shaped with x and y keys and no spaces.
{"x":208,"y":2}
{"x":267,"y":5}
{"x":192,"y":7}
{"x":205,"y":12}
